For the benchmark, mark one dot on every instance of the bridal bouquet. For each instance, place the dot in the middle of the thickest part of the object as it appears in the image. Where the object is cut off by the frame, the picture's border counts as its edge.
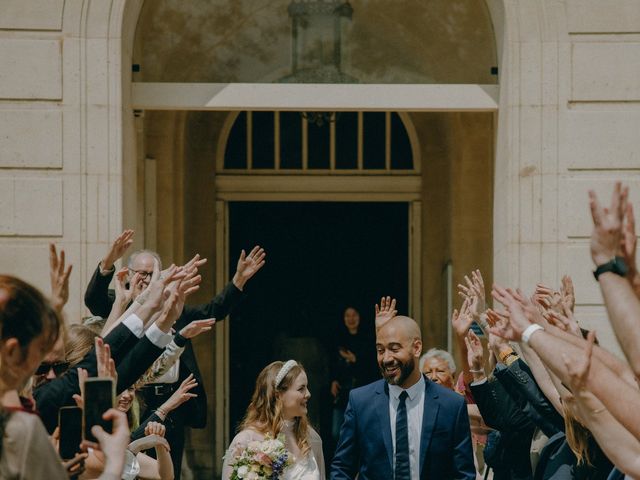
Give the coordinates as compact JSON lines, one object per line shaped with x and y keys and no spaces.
{"x":261,"y":460}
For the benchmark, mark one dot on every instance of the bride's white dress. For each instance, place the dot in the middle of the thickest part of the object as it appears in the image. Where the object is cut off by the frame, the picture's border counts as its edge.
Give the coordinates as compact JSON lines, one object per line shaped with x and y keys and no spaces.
{"x":309,"y":467}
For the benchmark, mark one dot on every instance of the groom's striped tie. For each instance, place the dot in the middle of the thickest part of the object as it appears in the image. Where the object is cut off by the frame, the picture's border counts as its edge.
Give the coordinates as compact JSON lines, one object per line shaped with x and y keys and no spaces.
{"x":402,"y":471}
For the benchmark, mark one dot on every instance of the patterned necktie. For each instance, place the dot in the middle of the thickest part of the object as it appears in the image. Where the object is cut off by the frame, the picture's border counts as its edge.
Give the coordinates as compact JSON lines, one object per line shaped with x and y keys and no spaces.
{"x":402,"y":472}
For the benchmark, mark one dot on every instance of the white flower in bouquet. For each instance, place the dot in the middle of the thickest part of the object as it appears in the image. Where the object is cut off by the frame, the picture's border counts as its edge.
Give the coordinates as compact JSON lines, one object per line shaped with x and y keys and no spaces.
{"x":265,"y":460}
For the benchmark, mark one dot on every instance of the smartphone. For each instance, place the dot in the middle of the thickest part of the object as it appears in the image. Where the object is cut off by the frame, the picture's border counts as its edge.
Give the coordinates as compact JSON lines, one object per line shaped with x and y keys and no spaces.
{"x":99,"y":396}
{"x":70,"y":423}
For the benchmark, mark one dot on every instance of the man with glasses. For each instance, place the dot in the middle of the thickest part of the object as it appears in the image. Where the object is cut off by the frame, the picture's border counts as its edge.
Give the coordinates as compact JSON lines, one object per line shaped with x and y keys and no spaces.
{"x":99,"y":299}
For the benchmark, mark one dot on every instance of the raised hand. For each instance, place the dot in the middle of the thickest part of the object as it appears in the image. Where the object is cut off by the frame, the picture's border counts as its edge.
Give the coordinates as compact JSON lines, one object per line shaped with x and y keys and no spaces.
{"x":511,"y":326}
{"x":606,"y":236}
{"x":181,"y":395}
{"x":548,"y":298}
{"x":112,"y":445}
{"x":474,"y":290}
{"x":195,"y":328}
{"x":475,"y":352}
{"x":568,"y":293}
{"x":461,"y":321}
{"x":196,"y":261}
{"x":59,"y":276}
{"x":248,"y":265}
{"x":564,"y":321}
{"x":106,"y":365}
{"x":82,"y":377}
{"x":124,"y":295}
{"x":386,"y":311}
{"x":628,"y":246}
{"x":118,"y":249}
{"x":578,"y":369}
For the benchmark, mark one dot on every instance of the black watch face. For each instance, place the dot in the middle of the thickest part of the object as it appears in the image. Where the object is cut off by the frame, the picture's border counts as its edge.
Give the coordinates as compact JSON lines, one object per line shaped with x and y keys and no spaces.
{"x":620,"y":266}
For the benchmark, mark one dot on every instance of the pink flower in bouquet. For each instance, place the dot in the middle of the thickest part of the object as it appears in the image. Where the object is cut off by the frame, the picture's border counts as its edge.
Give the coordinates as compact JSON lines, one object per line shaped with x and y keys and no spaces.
{"x":263,"y":459}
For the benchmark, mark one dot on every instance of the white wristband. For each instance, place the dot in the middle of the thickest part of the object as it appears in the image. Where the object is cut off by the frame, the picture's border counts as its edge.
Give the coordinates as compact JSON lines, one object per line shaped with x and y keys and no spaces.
{"x":526,"y":335}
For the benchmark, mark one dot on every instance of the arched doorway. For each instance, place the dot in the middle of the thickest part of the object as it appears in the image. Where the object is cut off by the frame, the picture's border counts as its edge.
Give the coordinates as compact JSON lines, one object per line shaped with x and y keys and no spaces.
{"x":177,"y":148}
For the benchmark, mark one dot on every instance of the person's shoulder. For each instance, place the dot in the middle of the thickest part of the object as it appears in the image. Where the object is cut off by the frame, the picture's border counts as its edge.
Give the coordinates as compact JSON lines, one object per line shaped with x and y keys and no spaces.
{"x":312,"y":435}
{"x":445,"y":394}
{"x":22,"y":423}
{"x":247,"y":435}
{"x":366,"y":391}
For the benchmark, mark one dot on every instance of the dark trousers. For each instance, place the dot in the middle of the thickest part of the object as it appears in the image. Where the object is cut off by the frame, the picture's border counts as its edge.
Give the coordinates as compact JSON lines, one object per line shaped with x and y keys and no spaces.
{"x":174,"y":423}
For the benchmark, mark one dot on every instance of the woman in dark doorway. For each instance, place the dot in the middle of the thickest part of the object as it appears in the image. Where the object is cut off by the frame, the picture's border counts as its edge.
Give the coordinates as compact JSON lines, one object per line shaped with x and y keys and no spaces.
{"x":353,"y":364}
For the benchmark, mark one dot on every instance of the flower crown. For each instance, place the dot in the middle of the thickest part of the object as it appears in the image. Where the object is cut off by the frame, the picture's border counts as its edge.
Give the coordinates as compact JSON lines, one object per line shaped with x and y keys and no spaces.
{"x":286,"y":368}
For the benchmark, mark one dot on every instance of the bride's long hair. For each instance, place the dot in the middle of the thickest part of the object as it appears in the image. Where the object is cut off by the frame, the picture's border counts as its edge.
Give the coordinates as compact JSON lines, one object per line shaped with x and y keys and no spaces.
{"x":264,"y":413}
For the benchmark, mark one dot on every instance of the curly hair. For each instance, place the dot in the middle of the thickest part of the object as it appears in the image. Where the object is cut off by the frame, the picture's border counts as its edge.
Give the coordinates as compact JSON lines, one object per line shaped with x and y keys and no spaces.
{"x":264,"y":413}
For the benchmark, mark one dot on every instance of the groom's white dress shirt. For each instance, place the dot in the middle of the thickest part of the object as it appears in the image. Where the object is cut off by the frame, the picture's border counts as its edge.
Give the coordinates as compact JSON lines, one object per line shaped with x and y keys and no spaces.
{"x":415,"y":409}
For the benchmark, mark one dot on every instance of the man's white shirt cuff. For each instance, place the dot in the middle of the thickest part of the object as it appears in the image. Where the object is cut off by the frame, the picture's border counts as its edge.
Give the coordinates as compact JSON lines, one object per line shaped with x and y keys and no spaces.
{"x":135,"y":324}
{"x":158,"y":337}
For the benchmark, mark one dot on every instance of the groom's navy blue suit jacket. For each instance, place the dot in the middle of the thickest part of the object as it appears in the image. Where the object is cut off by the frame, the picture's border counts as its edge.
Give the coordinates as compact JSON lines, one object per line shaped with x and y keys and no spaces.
{"x":365,"y":444}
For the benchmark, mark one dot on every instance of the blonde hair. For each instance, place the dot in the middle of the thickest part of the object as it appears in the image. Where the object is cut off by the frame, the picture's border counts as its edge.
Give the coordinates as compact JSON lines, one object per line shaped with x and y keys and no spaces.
{"x":577,"y":436}
{"x":79,"y":341}
{"x":264,"y":413}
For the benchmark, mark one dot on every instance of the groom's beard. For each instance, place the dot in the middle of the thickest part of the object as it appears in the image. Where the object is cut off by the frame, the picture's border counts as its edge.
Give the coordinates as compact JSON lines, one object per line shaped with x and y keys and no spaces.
{"x":402,"y":372}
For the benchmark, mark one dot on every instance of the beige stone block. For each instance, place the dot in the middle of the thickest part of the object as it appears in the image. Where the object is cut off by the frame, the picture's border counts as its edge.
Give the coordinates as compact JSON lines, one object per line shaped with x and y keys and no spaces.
{"x":73,"y":207}
{"x":597,"y":16}
{"x":528,"y":20}
{"x":31,"y":138}
{"x":549,"y":140}
{"x":595,"y":318}
{"x":6,"y":206}
{"x":575,"y":260}
{"x":97,"y":161}
{"x":38,"y":206}
{"x":71,"y":61}
{"x":600,"y":139}
{"x":531,"y":73}
{"x":574,"y":213}
{"x":550,"y":73}
{"x":31,"y":69}
{"x":605,"y":71}
{"x":27,"y":260}
{"x":31,"y":14}
{"x":97,"y":71}
{"x":74,"y":11}
{"x":72,"y":147}
{"x":98,"y":17}
{"x":97,"y":207}
{"x":530,"y":268}
{"x":549,"y":208}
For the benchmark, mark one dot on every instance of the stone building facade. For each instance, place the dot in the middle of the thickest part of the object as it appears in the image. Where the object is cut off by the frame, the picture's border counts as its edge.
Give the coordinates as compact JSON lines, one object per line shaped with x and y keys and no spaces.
{"x":523,"y":106}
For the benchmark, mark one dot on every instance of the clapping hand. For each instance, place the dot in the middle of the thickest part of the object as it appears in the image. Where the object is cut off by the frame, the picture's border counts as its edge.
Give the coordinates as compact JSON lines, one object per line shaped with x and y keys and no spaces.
{"x":59,"y":276}
{"x":248,"y":266}
{"x":386,"y":311}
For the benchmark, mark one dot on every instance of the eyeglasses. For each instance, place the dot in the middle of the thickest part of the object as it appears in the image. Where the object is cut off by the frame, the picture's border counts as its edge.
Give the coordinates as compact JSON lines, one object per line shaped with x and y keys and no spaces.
{"x":58,"y":368}
{"x":142,"y":273}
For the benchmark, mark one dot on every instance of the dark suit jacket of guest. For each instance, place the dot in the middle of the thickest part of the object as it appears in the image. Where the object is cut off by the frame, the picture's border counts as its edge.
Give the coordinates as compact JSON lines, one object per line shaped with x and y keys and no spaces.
{"x":365,"y":447}
{"x":141,"y":354}
{"x":99,"y":299}
{"x":501,"y":412}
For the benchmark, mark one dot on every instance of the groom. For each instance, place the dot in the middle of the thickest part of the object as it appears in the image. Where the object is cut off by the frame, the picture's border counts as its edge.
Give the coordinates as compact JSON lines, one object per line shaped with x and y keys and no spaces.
{"x":404,"y":427}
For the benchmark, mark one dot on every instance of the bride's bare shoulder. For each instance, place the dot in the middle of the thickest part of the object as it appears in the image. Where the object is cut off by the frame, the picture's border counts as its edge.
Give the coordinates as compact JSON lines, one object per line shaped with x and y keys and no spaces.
{"x":247,"y":435}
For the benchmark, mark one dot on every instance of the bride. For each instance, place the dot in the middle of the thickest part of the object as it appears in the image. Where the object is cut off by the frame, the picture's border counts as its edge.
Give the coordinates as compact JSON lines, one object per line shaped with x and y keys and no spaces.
{"x":279,"y":406}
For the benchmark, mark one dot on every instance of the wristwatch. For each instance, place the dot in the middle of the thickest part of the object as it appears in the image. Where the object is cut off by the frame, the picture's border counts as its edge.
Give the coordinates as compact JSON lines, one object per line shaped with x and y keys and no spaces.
{"x":615,"y":265}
